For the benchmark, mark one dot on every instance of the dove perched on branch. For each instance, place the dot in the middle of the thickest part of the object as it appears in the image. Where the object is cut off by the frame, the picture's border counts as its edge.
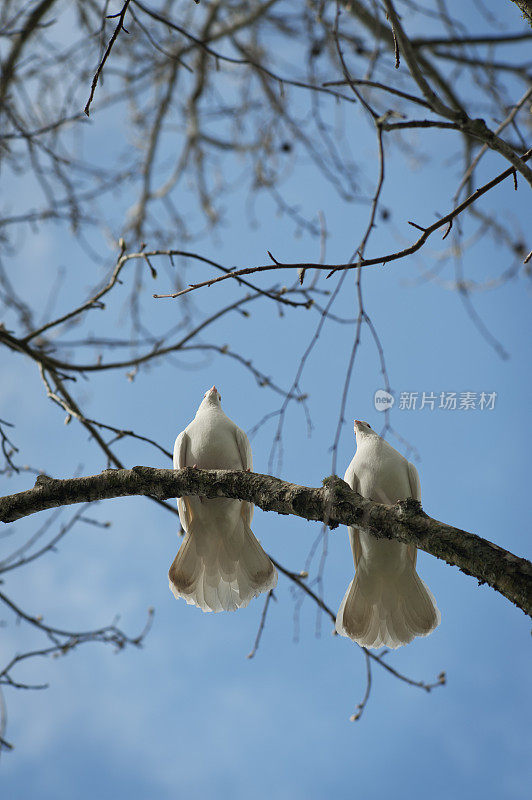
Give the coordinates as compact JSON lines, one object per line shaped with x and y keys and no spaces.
{"x":220,"y":565}
{"x":386,"y":604}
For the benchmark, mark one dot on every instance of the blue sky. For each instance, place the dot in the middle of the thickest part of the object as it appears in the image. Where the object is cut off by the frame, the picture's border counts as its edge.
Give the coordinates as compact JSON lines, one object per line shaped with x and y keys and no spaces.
{"x":189,"y":714}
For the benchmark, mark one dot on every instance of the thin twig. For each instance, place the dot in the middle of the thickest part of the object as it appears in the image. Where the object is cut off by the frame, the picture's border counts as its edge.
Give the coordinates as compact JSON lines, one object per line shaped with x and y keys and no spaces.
{"x":262,"y":622}
{"x":107,"y":53}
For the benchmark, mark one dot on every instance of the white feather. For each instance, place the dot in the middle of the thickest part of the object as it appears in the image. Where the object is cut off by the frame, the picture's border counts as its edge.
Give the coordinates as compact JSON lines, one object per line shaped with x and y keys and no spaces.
{"x":386,"y":604}
{"x":220,"y":565}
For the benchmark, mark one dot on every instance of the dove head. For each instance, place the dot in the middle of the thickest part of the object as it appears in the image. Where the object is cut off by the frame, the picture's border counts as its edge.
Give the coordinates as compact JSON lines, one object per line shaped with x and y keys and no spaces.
{"x":212,"y":397}
{"x":363,"y":429}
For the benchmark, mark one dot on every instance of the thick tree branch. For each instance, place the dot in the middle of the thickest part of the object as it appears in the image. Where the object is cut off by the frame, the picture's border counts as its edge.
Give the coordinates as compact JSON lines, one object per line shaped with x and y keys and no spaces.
{"x":526,"y":8}
{"x":476,"y":128}
{"x":333,"y":504}
{"x":9,"y":65}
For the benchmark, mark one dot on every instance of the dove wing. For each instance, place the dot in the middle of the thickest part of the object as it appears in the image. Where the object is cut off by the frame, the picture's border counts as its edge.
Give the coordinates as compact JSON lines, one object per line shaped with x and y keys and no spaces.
{"x":351,"y":478}
{"x":415,"y":492}
{"x":415,"y":485}
{"x":244,"y":449}
{"x":246,"y":457}
{"x":180,"y":460}
{"x":180,"y":450}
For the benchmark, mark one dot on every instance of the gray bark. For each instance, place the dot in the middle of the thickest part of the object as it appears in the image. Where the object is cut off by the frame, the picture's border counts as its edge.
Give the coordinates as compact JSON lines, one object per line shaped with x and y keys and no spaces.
{"x":526,"y":8}
{"x":334,"y":503}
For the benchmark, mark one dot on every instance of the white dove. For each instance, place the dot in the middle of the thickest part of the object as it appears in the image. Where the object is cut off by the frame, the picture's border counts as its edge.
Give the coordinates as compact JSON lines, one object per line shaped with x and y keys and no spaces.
{"x":386,"y":604}
{"x":220,"y":565}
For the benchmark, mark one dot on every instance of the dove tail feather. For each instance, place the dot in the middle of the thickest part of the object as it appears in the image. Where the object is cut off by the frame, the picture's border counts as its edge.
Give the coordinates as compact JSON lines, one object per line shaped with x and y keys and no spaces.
{"x":387,"y":611}
{"x":221,"y":572}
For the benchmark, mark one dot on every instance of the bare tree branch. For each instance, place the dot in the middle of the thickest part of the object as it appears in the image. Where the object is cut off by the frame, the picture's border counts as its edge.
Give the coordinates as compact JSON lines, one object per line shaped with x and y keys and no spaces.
{"x":119,"y":27}
{"x":334,"y":504}
{"x":362,"y":262}
{"x":526,"y":7}
{"x":9,"y":65}
{"x":476,"y":128}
